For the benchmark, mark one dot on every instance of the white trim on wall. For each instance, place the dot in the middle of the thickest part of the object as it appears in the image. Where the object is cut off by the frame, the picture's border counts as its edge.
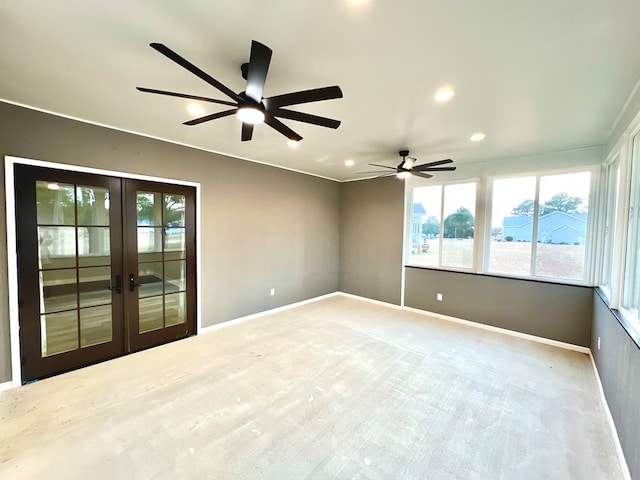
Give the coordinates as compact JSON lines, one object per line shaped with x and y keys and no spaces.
{"x":503,"y":331}
{"x":12,"y":257}
{"x":612,"y":425}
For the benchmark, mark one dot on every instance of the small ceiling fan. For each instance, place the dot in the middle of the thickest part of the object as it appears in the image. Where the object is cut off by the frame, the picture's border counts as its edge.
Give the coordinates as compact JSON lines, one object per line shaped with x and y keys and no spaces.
{"x":407,"y":167}
{"x":250,"y":106}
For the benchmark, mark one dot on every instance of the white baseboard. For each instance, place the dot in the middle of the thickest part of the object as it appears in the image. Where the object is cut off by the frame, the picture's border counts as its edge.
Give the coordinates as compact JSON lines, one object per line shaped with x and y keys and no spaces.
{"x":504,"y":331}
{"x":253,"y":316}
{"x":370,"y":300}
{"x":612,"y":426}
{"x":7,"y":386}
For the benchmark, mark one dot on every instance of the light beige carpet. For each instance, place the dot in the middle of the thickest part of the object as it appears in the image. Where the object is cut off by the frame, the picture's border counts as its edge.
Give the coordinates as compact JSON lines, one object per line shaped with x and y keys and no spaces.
{"x":338,"y":388}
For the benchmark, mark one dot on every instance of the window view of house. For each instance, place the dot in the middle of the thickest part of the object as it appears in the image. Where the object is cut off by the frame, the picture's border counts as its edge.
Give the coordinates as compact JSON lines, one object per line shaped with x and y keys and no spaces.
{"x":538,"y":226}
{"x":512,"y":225}
{"x":443,"y":225}
{"x":553,"y":210}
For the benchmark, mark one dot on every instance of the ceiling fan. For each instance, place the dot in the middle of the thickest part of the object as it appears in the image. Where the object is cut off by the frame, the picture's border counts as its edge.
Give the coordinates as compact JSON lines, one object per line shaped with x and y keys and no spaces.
{"x":250,"y":106}
{"x":407,"y":167}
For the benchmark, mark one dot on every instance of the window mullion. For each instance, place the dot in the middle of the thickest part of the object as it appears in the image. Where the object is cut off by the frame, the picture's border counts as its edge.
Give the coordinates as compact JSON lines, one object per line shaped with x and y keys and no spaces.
{"x":534,"y":232}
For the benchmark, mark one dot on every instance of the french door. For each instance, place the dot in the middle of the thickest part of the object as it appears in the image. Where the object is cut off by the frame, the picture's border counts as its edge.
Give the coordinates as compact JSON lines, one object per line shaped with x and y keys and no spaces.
{"x":106,"y":266}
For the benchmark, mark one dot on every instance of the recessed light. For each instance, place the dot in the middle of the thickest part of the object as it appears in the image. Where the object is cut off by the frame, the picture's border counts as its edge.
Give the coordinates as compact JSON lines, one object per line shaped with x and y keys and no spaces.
{"x":349,"y":163}
{"x":444,"y":95}
{"x":293,"y":143}
{"x":478,"y":136}
{"x":195,"y":109}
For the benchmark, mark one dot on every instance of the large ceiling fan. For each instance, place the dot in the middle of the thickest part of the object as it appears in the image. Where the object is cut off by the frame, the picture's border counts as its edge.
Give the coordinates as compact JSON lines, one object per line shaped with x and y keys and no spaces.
{"x":250,"y":106}
{"x":407,"y":167}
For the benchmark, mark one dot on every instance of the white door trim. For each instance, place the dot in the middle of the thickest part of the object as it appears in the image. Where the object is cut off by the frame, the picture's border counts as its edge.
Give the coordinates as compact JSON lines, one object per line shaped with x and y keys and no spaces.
{"x":12,"y":257}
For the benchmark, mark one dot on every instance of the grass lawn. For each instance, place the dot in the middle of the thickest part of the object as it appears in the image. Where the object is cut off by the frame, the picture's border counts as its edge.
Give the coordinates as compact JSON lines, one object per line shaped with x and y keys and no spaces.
{"x":560,"y":261}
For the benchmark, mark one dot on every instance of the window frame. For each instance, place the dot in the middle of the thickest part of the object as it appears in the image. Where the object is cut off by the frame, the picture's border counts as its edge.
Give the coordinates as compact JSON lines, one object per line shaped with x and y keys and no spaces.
{"x":483,"y":216}
{"x":414,"y":183}
{"x":631,"y":233}
{"x":589,"y":242}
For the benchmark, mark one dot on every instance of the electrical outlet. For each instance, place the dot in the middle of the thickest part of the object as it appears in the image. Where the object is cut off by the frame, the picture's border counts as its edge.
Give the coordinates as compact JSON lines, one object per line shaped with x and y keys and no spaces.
{"x":598,"y":343}
{"x":273,"y":291}
{"x":439,"y":297}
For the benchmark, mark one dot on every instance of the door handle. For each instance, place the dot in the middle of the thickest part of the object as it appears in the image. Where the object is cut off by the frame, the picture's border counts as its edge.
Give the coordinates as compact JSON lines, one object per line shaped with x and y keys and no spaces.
{"x":118,"y":287}
{"x":132,"y":282}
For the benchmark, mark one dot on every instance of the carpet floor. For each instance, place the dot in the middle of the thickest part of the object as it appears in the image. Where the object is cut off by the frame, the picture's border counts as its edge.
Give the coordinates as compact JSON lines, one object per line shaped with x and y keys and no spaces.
{"x":338,"y":388}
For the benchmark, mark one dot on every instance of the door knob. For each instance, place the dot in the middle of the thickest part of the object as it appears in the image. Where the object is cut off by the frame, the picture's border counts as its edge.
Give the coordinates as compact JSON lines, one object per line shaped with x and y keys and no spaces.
{"x":132,"y":282}
{"x":118,"y":286}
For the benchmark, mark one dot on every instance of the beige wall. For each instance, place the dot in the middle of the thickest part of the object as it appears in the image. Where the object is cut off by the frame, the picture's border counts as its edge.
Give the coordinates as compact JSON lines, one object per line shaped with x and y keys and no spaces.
{"x":617,"y":359}
{"x":371,"y":225}
{"x":261,"y":227}
{"x":548,"y":310}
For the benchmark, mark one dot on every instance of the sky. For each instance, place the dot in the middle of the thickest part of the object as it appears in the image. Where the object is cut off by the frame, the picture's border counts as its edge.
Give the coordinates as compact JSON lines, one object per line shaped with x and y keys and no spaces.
{"x":508,"y":193}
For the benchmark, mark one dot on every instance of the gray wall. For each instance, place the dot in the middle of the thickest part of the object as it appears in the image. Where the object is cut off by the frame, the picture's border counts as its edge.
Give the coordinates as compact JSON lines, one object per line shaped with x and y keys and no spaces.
{"x":557,"y":312}
{"x":261,"y":227}
{"x":618,"y":364}
{"x":371,"y":226}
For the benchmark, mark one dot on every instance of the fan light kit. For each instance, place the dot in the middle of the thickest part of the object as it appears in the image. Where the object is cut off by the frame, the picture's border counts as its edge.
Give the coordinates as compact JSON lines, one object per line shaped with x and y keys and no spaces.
{"x":251,"y":115}
{"x":476,"y":137}
{"x":407,"y":167}
{"x":250,"y":106}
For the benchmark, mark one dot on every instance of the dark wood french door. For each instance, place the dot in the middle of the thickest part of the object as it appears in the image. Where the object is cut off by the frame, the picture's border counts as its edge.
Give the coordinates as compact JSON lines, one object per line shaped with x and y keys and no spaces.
{"x":106,"y":266}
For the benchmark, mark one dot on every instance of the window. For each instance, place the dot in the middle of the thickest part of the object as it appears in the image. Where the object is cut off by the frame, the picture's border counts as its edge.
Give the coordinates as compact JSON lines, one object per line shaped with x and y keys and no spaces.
{"x":611,"y":182}
{"x":539,"y":225}
{"x":443,"y":226}
{"x":631,"y":290}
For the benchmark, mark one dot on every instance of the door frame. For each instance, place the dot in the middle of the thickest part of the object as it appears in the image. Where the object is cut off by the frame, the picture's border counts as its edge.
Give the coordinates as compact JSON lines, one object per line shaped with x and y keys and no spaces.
{"x":12,"y":257}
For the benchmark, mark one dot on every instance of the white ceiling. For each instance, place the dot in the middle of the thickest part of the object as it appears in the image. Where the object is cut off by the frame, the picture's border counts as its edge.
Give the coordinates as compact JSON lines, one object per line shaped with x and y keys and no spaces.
{"x":535,"y":75}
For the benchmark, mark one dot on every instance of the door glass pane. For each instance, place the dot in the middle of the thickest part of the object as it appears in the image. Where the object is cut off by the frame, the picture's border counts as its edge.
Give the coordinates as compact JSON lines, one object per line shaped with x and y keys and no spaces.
{"x":174,"y":244}
{"x":149,"y":209}
{"x":95,"y":325}
{"x":512,"y":221}
{"x":94,"y":286}
{"x":94,"y":246}
{"x":150,"y":279}
{"x":174,"y":210}
{"x":93,"y":205}
{"x":56,"y":247}
{"x":55,"y":203}
{"x":149,"y":244}
{"x":151,"y":315}
{"x":175,"y":306}
{"x":59,"y":332}
{"x":58,"y":290}
{"x":562,"y":225}
{"x":174,"y":276}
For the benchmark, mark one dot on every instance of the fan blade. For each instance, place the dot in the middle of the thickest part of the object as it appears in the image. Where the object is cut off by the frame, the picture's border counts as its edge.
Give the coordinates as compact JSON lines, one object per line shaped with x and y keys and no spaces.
{"x":409,"y":162}
{"x":305,"y":96}
{"x":184,"y":95}
{"x":247,"y":131}
{"x":432,"y":164}
{"x":306,"y":117}
{"x":420,"y":174}
{"x":170,"y":54}
{"x":382,"y":166}
{"x":282,"y":128}
{"x":213,"y":116}
{"x":438,"y":169}
{"x":258,"y":68}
